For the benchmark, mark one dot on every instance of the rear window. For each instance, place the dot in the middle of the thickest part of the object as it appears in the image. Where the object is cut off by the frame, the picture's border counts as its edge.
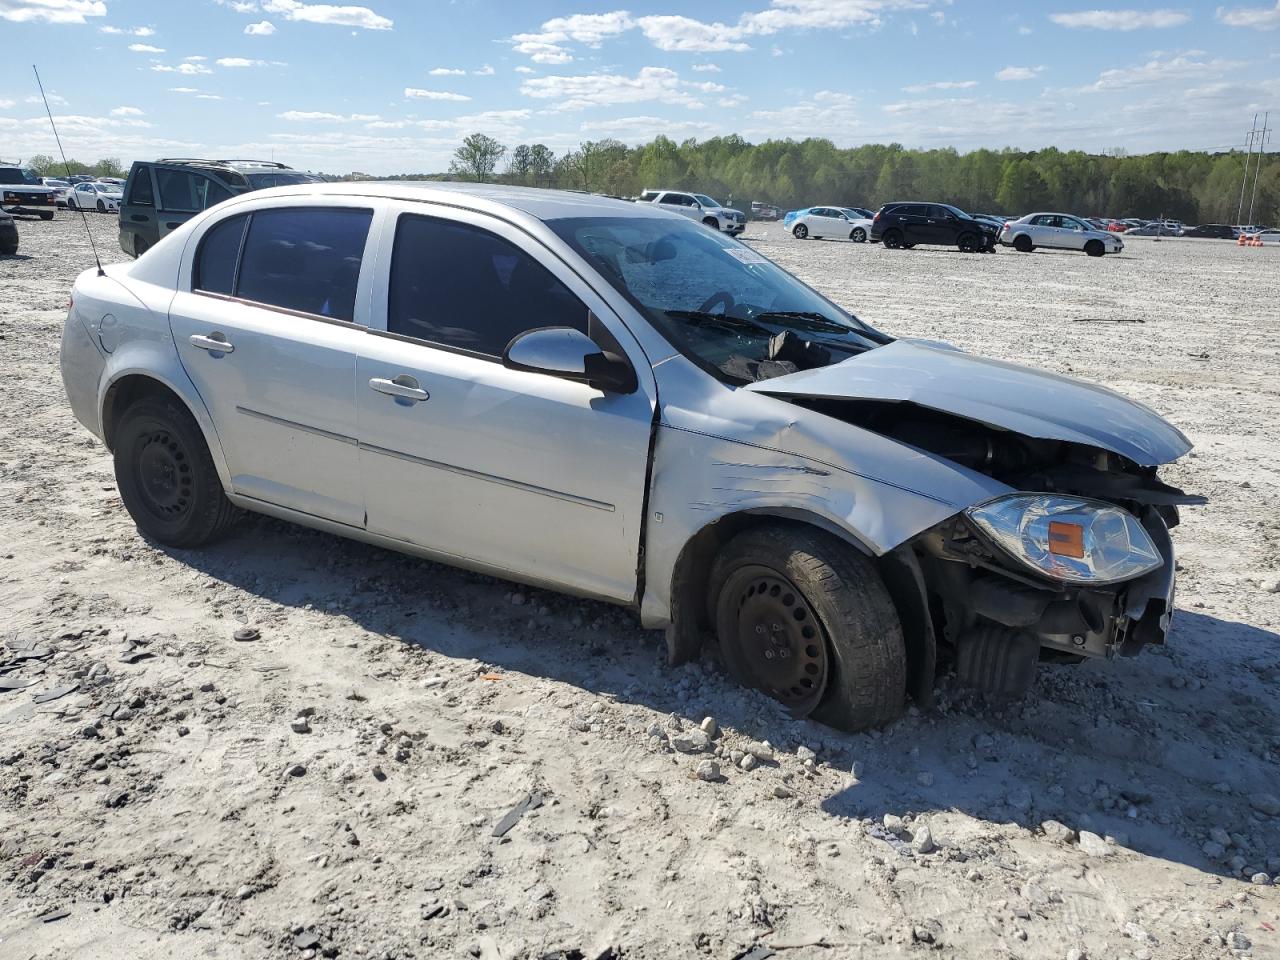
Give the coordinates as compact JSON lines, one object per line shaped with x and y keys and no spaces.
{"x":305,"y":259}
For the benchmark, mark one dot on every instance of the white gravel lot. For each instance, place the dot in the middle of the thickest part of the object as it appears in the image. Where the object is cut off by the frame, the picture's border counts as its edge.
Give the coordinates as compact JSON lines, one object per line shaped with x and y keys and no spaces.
{"x":170,"y":807}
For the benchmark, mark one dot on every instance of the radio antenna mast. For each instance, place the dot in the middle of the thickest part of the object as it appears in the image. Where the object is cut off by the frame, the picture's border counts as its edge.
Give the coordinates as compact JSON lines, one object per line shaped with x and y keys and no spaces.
{"x":66,"y":166}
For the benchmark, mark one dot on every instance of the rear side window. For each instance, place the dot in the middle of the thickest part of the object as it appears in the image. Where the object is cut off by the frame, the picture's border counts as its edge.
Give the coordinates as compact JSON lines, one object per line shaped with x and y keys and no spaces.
{"x":141,"y":193}
{"x":305,"y":259}
{"x":219,"y":254}
{"x":183,"y":191}
{"x":463,"y":287}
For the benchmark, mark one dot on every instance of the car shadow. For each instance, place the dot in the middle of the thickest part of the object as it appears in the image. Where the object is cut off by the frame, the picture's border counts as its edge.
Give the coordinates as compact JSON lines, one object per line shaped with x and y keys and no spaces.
{"x":1117,"y":748}
{"x":16,"y":256}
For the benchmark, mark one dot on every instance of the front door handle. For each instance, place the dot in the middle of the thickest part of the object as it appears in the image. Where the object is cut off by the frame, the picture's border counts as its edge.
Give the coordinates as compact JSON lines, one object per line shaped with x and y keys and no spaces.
{"x":139,"y":218}
{"x":214,"y":343}
{"x":403,"y":387}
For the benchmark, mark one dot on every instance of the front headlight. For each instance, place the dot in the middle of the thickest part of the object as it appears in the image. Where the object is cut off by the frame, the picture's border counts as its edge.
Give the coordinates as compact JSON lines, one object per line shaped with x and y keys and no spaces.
{"x":1069,"y":538}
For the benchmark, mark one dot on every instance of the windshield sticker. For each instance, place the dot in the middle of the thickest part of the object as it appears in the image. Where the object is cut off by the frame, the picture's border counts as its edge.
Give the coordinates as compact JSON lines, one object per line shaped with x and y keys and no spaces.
{"x":745,"y":255}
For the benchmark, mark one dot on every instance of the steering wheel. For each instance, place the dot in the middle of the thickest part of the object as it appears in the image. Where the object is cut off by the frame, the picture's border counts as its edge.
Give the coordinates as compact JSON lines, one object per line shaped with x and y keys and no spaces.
{"x":719,"y":297}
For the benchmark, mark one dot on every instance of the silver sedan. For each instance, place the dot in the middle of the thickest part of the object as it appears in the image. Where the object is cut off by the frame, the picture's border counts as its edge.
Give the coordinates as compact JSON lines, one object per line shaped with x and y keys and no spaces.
{"x":610,"y":400}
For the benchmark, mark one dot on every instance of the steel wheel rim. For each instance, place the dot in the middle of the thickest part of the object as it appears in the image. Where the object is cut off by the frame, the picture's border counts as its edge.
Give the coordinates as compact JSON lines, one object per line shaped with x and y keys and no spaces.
{"x":781,"y":646}
{"x":165,"y":478}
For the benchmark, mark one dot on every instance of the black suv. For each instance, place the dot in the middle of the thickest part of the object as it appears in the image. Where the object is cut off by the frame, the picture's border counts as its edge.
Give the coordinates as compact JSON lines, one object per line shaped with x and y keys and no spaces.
{"x":161,"y":195}
{"x":907,"y":224}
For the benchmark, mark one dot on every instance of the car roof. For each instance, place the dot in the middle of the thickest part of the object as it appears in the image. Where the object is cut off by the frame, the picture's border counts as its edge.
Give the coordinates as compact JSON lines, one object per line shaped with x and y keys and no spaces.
{"x":534,"y":201}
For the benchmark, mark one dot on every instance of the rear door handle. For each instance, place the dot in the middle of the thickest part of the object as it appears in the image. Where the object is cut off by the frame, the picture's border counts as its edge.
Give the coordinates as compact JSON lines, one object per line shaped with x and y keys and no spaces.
{"x":403,"y":387}
{"x":214,"y":343}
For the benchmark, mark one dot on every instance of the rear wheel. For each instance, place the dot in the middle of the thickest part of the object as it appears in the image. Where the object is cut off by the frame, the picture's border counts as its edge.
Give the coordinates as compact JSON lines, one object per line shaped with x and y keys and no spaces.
{"x":805,"y":618}
{"x":71,"y":203}
{"x":1022,"y":243}
{"x":140,"y":246}
{"x":166,"y":477}
{"x":102,"y":207}
{"x":892,"y":239}
{"x":859,"y":235}
{"x":1094,"y":248}
{"x":800,"y":232}
{"x":46,"y":214}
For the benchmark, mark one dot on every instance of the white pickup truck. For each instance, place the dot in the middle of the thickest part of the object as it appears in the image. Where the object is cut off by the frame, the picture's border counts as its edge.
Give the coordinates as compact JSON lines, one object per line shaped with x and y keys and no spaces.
{"x":22,"y":192}
{"x":698,"y":206}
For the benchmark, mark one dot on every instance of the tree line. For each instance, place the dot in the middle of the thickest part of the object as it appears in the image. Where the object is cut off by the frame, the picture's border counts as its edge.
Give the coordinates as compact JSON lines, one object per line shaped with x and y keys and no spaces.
{"x":1186,"y":185}
{"x":43,"y":165}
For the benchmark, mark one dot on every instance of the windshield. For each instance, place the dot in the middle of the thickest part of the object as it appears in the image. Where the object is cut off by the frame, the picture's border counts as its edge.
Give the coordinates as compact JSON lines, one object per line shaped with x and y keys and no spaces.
{"x":706,"y":201}
{"x":260,"y":181}
{"x":718,"y":301}
{"x":17,"y":175}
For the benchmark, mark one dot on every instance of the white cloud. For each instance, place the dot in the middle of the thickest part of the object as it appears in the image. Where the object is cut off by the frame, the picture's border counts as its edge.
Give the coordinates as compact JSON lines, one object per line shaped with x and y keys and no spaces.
{"x":415,"y":93}
{"x":187,"y":69}
{"x":636,"y":130}
{"x":312,"y":116}
{"x":684,"y":34}
{"x":263,"y":28}
{"x":340,"y":16}
{"x":239,"y":6}
{"x":126,"y":112}
{"x":826,"y":111}
{"x":208,"y":96}
{"x":924,"y":106}
{"x":131,"y":31}
{"x":183,"y":90}
{"x":145,"y":48}
{"x":239,"y":62}
{"x":1019,"y":73}
{"x":485,"y":71}
{"x":523,"y":69}
{"x":1120,"y":19}
{"x":1255,"y":18}
{"x":1167,"y":72}
{"x":1025,"y":31}
{"x":705,"y":68}
{"x":51,"y":11}
{"x":606,"y":89}
{"x":53,"y":98}
{"x":446,"y":72}
{"x":6,"y":104}
{"x":196,"y":58}
{"x":941,"y":85}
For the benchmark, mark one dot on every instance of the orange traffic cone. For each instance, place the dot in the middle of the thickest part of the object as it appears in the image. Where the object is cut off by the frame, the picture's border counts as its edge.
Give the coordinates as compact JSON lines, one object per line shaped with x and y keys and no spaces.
{"x":1240,"y":240}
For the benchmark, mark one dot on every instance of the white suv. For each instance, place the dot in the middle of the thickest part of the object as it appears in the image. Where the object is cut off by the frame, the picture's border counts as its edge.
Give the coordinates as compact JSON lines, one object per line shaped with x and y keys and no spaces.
{"x":698,"y":206}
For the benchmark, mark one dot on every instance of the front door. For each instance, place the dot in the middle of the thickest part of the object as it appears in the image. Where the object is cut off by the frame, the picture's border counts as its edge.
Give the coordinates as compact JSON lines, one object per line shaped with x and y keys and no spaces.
{"x":270,"y":341}
{"x":522,"y":473}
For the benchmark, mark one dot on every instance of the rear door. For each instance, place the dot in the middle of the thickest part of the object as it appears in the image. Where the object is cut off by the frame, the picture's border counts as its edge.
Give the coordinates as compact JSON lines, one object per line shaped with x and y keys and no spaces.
{"x":519,"y":472}
{"x":181,"y":193}
{"x":912,"y":221}
{"x":267,"y":322}
{"x":682,"y":204}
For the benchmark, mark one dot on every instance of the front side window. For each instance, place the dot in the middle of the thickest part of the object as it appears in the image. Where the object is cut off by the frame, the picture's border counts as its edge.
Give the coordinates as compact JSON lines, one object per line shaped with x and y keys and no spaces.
{"x":716,"y":300}
{"x":706,"y":201}
{"x":463,"y":287}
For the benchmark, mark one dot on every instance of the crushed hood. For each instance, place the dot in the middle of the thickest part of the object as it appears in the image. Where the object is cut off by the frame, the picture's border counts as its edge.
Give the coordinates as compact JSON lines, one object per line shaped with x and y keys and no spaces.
{"x":1001,"y":395}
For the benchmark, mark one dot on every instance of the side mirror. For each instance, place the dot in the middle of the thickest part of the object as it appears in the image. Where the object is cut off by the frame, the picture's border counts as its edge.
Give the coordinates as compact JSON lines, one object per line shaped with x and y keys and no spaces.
{"x":570,"y":355}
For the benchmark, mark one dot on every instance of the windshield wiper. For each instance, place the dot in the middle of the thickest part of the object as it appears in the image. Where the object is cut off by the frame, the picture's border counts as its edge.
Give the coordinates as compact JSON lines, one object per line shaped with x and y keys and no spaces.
{"x":808,"y":320}
{"x":702,"y":318}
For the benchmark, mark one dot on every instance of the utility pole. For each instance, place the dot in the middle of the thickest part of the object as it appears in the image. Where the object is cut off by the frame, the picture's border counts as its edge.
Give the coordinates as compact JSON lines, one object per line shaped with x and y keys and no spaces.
{"x":1248,"y":150}
{"x":1262,"y":146}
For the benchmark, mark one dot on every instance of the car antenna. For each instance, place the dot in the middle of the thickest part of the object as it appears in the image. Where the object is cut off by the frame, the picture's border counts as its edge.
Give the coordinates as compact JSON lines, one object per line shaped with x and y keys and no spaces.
{"x":66,"y":166}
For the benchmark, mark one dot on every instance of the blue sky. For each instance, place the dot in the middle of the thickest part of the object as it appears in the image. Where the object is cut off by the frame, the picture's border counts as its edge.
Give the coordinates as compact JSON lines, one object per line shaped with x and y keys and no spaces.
{"x":392,"y":86}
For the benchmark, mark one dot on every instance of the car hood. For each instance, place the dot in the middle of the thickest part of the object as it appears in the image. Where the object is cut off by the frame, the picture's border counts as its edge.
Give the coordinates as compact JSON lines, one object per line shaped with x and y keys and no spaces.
{"x":1001,"y":395}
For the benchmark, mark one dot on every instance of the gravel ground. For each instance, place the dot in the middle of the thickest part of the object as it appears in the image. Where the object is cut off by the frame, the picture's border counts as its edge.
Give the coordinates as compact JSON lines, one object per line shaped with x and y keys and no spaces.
{"x":334,"y":787}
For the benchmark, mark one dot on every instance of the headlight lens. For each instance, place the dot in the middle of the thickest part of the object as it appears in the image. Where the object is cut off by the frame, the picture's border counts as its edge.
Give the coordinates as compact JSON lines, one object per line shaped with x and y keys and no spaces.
{"x":1069,"y":538}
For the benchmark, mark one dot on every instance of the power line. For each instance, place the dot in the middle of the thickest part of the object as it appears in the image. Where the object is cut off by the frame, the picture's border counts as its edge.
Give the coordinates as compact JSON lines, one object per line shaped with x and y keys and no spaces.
{"x":1262,"y":146}
{"x":1253,"y":130}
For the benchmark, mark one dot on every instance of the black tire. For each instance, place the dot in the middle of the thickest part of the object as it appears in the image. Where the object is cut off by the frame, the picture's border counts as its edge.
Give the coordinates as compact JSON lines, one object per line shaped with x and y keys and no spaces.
{"x":967,"y":242}
{"x":46,"y":214}
{"x":102,"y":207}
{"x":908,"y":246}
{"x":892,"y":239}
{"x":167,"y":478}
{"x":71,"y":204}
{"x":711,"y":222}
{"x":859,"y":235}
{"x":140,"y":246}
{"x":1094,"y":248}
{"x":8,"y":249}
{"x":1022,"y":243}
{"x":842,"y":625}
{"x":800,"y":232}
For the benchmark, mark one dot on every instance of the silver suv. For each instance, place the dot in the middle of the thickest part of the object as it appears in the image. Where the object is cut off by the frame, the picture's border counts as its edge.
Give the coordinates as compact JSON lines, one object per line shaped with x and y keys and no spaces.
{"x":698,"y":206}
{"x":607,"y":399}
{"x":161,"y":195}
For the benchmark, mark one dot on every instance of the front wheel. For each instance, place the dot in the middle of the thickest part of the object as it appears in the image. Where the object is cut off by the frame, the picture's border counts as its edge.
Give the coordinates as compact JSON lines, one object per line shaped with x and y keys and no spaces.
{"x":859,"y":235}
{"x":46,"y":214}
{"x":71,"y":204}
{"x":1094,"y":248}
{"x":711,"y":222}
{"x":967,"y":243}
{"x":805,"y":618}
{"x":892,"y":239}
{"x":800,"y":232}
{"x":102,"y":207}
{"x":166,"y":477}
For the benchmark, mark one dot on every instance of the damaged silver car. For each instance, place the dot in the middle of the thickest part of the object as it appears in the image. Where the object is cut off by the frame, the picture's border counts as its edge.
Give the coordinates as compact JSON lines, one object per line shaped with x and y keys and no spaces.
{"x":607,"y":399}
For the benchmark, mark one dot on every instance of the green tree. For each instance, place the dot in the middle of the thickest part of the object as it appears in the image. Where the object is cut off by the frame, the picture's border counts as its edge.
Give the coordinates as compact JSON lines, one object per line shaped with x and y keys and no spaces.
{"x":477,"y":157}
{"x":1021,"y":189}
